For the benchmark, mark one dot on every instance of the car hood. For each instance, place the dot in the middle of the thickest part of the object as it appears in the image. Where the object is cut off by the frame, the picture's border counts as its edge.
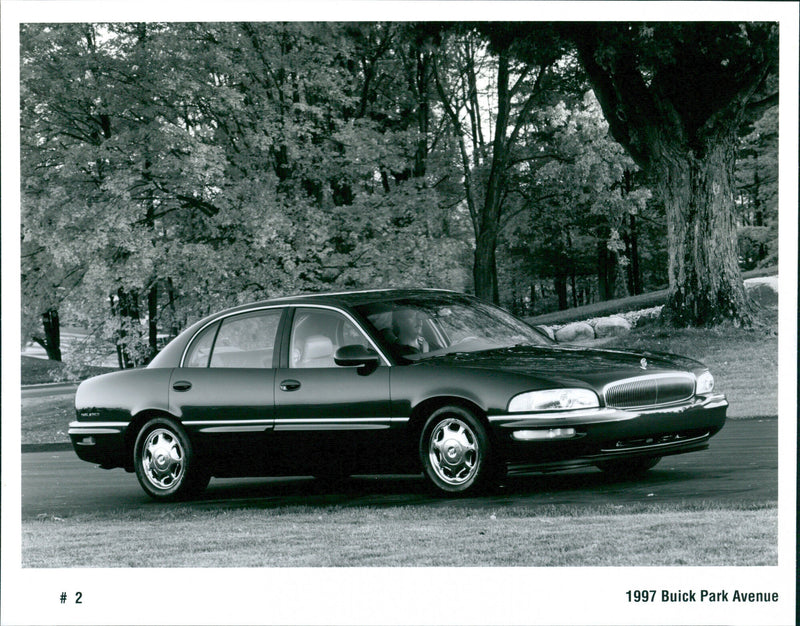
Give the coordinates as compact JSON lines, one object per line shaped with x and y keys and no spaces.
{"x":593,"y":366}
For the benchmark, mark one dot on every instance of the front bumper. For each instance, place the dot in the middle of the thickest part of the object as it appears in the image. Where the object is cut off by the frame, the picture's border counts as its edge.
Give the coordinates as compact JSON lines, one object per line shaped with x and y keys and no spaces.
{"x":558,"y":440}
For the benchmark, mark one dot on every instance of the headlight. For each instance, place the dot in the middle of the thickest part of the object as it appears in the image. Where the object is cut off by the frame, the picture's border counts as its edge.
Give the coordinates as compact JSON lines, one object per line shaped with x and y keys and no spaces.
{"x":553,"y":400}
{"x":705,"y":383}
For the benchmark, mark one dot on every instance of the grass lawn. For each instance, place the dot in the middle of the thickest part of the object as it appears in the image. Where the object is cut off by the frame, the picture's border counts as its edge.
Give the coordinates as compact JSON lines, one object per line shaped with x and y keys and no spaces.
{"x":744,"y":362}
{"x":526,"y":536}
{"x":41,"y":371}
{"x":46,"y":419}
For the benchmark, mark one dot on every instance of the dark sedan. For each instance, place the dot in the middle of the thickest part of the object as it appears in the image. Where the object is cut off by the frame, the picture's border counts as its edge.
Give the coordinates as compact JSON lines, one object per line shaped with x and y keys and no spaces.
{"x":387,"y":381}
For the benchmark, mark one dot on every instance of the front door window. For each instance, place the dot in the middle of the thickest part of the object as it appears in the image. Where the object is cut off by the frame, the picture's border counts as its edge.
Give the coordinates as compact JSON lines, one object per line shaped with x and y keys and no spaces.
{"x":317,"y":334}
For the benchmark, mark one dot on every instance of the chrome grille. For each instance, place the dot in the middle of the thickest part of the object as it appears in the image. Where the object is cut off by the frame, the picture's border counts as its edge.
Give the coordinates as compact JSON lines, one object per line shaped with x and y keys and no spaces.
{"x":649,"y":390}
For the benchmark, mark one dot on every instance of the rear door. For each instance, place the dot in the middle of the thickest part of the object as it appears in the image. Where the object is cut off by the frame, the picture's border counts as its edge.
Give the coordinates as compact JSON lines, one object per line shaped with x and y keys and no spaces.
{"x":226,"y":384}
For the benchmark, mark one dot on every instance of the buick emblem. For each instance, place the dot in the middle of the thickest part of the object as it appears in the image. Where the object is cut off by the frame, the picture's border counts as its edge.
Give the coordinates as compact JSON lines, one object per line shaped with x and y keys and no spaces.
{"x":643,"y":364}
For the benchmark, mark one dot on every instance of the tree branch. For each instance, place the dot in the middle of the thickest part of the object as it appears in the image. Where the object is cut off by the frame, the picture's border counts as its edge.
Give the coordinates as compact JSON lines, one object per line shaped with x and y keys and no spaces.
{"x":468,"y":187}
{"x":617,"y":106}
{"x":528,"y":206}
{"x":523,"y":114}
{"x":758,"y":107}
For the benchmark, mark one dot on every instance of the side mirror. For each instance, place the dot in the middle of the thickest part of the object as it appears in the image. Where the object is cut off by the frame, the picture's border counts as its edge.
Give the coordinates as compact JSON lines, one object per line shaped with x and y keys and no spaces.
{"x":357,"y":355}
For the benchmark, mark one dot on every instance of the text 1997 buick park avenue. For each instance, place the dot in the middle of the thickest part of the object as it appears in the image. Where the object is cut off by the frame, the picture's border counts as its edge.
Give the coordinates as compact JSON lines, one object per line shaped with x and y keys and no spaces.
{"x":387,"y":381}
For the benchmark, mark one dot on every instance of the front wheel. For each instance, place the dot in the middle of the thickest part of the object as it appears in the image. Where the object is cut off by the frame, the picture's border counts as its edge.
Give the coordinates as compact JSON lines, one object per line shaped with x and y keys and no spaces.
{"x":455,"y":451}
{"x":165,"y":463}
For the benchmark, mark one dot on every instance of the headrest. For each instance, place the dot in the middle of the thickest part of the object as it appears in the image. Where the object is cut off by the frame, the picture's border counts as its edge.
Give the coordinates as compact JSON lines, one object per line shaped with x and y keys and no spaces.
{"x":317,"y":347}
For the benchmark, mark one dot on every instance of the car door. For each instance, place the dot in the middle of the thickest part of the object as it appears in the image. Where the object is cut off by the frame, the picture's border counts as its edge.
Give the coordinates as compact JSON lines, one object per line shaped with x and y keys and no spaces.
{"x":329,"y":418}
{"x":226,"y":384}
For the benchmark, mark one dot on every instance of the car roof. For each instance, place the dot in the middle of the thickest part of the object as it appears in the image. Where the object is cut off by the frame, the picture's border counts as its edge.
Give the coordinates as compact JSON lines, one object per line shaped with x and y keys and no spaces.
{"x":348,"y":298}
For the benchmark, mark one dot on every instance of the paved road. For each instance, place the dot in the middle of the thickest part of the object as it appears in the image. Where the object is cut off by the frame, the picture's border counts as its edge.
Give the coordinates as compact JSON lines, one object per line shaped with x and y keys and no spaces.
{"x":740,"y":466}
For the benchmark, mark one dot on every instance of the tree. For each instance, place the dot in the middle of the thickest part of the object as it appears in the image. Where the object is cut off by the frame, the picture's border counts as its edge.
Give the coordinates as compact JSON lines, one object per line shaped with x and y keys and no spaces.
{"x":757,"y":191}
{"x":522,"y":60}
{"x":581,"y":237}
{"x":675,"y":96}
{"x":174,"y":169}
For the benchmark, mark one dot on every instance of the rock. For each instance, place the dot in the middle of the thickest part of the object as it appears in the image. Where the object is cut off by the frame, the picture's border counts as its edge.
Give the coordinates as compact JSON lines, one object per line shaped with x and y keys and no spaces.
{"x":763,"y":290}
{"x":579,"y":331}
{"x":611,"y":326}
{"x":546,"y":330}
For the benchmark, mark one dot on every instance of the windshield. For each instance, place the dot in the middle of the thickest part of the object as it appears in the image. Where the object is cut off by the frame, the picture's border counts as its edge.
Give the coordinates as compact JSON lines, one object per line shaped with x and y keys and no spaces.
{"x":418,"y":327}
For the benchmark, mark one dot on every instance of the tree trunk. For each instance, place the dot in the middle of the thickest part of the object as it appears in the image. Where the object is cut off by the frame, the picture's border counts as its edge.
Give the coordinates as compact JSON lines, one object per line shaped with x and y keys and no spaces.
{"x":152,"y":322}
{"x":423,"y":113}
{"x":606,"y":268}
{"x":686,"y":137}
{"x":571,"y":261}
{"x":705,"y":282}
{"x":52,"y":334}
{"x":174,"y":328}
{"x":484,"y":270}
{"x":635,"y":271}
{"x":127,"y":306}
{"x":560,"y":284}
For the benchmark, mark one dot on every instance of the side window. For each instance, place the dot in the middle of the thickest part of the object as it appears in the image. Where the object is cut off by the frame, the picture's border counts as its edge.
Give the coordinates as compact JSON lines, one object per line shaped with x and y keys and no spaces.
{"x":351,"y":335}
{"x":246,"y":340}
{"x":200,"y":350}
{"x":317,"y":334}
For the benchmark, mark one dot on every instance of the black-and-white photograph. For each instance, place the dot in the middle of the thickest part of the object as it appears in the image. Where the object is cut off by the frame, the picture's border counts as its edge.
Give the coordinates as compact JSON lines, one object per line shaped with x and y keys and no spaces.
{"x":427,"y":312}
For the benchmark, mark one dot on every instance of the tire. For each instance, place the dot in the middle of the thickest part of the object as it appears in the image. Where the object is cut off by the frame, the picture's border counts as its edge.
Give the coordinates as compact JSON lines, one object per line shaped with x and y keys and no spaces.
{"x":629,"y":468}
{"x":165,"y":462}
{"x":456,"y":452}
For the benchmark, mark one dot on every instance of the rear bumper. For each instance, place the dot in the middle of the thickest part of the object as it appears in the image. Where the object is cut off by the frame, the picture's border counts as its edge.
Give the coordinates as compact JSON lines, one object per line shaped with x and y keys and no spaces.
{"x":99,"y":442}
{"x":586,"y":437}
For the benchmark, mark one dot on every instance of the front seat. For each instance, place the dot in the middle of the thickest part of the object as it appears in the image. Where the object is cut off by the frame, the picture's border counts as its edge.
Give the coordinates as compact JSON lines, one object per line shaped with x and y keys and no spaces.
{"x":317,"y":352}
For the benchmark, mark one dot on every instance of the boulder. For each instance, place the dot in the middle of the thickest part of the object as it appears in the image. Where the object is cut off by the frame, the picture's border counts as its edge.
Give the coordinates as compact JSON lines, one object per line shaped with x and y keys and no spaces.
{"x":547,"y":331}
{"x":578,"y":331}
{"x":763,"y":290}
{"x":611,"y":326}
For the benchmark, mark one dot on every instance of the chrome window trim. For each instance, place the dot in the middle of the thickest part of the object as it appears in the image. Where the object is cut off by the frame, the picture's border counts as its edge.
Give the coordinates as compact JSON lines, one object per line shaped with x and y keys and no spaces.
{"x":285,"y":305}
{"x":350,"y":318}
{"x":219,"y":319}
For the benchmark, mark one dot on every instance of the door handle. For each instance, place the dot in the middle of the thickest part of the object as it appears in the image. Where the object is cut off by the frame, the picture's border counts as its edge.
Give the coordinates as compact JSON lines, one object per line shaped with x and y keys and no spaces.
{"x":182,"y":385}
{"x":290,"y":385}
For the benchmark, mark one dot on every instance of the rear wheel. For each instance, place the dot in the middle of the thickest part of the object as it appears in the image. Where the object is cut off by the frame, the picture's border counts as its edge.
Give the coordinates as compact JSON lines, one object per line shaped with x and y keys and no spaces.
{"x":624,"y":468}
{"x":165,"y":463}
{"x":455,"y":451}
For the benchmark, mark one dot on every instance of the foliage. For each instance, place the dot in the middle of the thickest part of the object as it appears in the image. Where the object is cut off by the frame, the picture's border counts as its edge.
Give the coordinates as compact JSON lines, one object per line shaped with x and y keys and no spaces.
{"x":675,"y":95}
{"x":211,"y":164}
{"x":757,"y":187}
{"x":169,"y":170}
{"x":582,"y":227}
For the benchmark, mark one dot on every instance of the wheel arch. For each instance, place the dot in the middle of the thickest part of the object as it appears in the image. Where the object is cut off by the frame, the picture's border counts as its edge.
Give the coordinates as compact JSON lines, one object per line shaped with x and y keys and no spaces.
{"x":422,"y":411}
{"x":135,"y":426}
